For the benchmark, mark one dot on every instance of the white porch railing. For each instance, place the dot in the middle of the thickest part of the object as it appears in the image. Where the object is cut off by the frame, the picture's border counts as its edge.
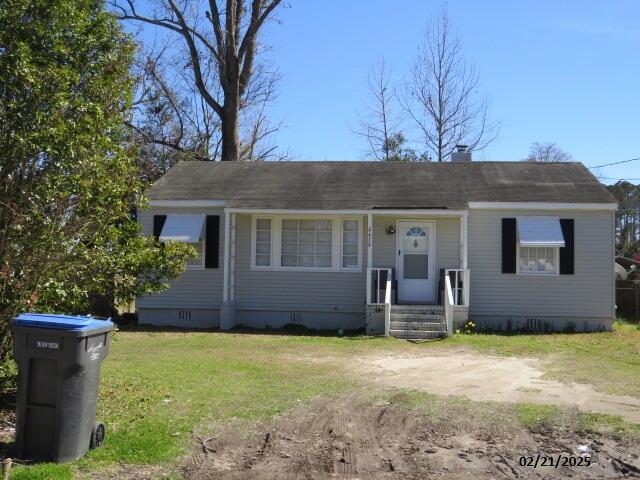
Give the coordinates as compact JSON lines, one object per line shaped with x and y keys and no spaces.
{"x":456,"y":293}
{"x":459,"y":285}
{"x":448,"y":305}
{"x":376,"y":278}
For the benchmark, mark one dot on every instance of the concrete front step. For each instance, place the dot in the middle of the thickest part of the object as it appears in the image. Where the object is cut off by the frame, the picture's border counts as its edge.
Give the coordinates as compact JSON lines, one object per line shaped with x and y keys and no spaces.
{"x":416,"y":317}
{"x":425,"y":326}
{"x":416,"y":334}
{"x":418,"y":309}
{"x":417,"y":322}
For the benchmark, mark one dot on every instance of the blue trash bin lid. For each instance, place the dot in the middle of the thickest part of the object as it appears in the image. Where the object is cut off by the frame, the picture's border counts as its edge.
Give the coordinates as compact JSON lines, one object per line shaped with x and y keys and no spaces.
{"x":59,"y":322}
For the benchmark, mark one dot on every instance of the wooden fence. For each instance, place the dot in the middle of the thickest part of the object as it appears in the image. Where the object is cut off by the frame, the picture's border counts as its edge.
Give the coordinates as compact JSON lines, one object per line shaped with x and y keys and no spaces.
{"x":628,"y":298}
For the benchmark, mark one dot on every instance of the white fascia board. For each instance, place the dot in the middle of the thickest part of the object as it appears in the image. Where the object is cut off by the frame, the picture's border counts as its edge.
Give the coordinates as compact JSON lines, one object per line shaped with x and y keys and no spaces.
{"x":376,"y":212}
{"x":541,"y":206}
{"x":186,"y":203}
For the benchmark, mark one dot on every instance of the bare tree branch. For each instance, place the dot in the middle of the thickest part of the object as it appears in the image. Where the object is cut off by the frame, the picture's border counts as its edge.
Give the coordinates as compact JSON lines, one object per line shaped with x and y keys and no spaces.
{"x":547,"y":152}
{"x":441,"y":96}
{"x":229,"y":46}
{"x":380,"y":125}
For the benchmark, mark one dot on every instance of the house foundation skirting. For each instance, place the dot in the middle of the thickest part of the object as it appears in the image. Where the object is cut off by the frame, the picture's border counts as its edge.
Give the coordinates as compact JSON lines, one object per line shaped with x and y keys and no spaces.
{"x":228,"y":315}
{"x":313,"y":320}
{"x":375,"y":320}
{"x":460,"y":316}
{"x":541,"y":324}
{"x":196,"y":318}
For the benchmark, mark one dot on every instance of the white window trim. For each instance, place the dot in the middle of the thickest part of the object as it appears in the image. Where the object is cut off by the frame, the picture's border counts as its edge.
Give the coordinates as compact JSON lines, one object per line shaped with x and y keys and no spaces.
{"x":556,"y":263}
{"x":276,"y":243}
{"x":358,"y":267}
{"x":254,"y":223}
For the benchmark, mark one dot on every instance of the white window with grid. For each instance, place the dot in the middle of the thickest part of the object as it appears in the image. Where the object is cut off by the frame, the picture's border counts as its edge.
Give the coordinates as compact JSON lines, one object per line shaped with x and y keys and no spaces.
{"x":306,"y":243}
{"x":350,"y":244}
{"x":538,"y":260}
{"x":263,"y":242}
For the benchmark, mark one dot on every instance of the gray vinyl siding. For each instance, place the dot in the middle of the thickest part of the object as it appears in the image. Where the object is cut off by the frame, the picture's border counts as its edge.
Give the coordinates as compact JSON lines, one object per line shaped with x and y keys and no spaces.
{"x":195,"y":289}
{"x":447,"y":241}
{"x":278,"y":290}
{"x":588,"y":293}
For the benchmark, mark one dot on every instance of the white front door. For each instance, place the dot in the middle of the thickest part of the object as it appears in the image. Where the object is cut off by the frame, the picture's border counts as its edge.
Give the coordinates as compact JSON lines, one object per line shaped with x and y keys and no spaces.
{"x":415,"y":263}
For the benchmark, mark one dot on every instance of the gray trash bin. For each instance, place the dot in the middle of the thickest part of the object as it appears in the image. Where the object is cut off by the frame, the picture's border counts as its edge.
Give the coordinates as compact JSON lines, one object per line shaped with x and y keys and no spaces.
{"x":59,"y":360}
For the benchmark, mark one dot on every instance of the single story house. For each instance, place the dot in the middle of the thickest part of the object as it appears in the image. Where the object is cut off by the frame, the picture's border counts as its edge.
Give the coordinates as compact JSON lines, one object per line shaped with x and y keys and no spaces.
{"x":400,"y":248}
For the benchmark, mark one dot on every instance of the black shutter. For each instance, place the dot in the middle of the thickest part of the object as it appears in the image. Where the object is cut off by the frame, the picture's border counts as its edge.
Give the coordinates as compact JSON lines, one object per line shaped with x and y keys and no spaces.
{"x":509,"y":244}
{"x":567,"y":252}
{"x":158,"y":223}
{"x":212,"y":244}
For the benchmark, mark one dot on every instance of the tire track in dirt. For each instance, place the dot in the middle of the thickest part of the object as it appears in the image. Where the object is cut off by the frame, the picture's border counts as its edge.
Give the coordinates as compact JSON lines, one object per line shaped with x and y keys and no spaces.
{"x":353,"y":437}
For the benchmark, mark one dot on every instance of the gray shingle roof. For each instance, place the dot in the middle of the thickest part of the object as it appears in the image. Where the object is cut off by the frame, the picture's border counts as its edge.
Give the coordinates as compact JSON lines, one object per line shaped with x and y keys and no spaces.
{"x":366,"y":185}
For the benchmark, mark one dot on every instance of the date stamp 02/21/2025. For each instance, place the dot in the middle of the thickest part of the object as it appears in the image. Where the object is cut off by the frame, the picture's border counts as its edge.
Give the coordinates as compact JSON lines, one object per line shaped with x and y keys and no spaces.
{"x":554,"y":461}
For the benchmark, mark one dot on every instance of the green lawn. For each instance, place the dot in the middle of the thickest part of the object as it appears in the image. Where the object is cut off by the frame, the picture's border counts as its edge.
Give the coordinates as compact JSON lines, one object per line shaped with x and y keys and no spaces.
{"x":494,"y":415}
{"x":158,"y":387}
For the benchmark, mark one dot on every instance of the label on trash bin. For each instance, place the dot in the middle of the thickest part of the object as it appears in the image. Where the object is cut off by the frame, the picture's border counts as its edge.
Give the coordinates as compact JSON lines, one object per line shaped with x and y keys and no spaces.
{"x":94,"y":347}
{"x":45,"y":343}
{"x":49,"y":345}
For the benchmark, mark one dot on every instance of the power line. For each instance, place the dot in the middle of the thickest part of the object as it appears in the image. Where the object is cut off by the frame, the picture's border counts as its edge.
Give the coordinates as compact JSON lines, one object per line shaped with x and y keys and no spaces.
{"x":616,"y":163}
{"x":618,"y":178}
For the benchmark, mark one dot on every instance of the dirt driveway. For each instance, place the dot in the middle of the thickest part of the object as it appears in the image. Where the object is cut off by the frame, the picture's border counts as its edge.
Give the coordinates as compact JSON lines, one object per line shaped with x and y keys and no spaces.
{"x":491,"y":378}
{"x":353,"y":437}
{"x":369,"y":435}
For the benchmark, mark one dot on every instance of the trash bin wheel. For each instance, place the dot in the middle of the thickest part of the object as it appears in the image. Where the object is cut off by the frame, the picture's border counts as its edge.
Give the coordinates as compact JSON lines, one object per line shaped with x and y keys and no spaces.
{"x":97,"y":435}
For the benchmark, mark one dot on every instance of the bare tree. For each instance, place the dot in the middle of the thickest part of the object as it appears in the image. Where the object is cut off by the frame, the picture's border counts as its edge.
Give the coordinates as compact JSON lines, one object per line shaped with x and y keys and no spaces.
{"x":256,"y":130}
{"x":547,"y":152}
{"x":222,"y":45}
{"x":380,"y":124}
{"x":169,"y":120}
{"x":442,"y":94}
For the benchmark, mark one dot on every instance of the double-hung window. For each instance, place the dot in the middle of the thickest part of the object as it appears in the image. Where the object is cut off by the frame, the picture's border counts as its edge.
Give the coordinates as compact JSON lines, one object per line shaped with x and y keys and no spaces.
{"x":306,"y":243}
{"x":286,"y":242}
{"x":350,"y":243}
{"x":538,"y":260}
{"x":263,"y":242}
{"x":539,"y":241}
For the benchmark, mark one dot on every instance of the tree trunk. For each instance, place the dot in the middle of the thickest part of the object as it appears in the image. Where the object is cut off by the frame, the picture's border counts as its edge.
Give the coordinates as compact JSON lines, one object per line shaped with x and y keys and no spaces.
{"x":230,"y":137}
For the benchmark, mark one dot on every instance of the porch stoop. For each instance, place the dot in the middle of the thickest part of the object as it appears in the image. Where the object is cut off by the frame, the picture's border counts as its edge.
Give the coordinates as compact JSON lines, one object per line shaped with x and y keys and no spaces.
{"x":418,"y":322}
